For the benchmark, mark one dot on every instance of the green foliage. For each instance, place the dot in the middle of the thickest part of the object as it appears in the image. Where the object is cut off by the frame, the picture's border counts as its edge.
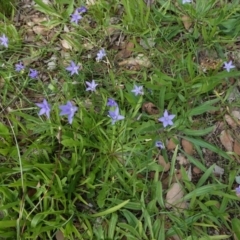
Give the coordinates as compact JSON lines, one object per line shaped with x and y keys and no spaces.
{"x":94,"y":180}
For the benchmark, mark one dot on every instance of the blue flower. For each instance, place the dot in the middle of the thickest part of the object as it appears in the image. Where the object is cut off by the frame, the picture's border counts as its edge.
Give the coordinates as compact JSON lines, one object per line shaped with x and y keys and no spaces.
{"x":228,"y":66}
{"x":100,"y":55}
{"x":75,"y":17}
{"x":4,"y":40}
{"x":159,"y":144}
{"x":91,"y":86}
{"x":72,"y":68}
{"x":82,"y":9}
{"x":237,"y":190}
{"x":138,"y":90}
{"x":19,"y":67}
{"x":166,"y":119}
{"x":111,"y":103}
{"x":45,"y":108}
{"x":115,"y":116}
{"x":33,"y":73}
{"x":68,"y":110}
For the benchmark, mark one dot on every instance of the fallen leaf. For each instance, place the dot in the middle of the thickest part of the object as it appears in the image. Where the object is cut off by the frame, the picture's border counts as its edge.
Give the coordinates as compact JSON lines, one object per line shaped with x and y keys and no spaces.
{"x":236,"y":147}
{"x":140,"y":60}
{"x":174,"y":195}
{"x":226,"y":140}
{"x":187,"y":147}
{"x":150,"y":108}
{"x":147,"y":43}
{"x":182,"y":160}
{"x":218,"y":170}
{"x":171,"y":145}
{"x":196,"y":170}
{"x":40,"y":30}
{"x":59,"y":235}
{"x":162,"y":162}
{"x":189,"y":173}
{"x":126,"y":52}
{"x":187,"y":22}
{"x":230,"y":121}
{"x":66,"y":44}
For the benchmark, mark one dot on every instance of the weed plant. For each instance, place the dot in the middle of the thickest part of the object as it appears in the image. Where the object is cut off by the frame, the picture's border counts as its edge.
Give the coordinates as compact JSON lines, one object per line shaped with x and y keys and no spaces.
{"x":83,"y":164}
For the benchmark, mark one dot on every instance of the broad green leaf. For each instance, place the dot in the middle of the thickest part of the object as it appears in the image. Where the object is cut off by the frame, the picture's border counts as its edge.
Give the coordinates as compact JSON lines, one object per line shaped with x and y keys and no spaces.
{"x":42,"y":7}
{"x":205,"y":107}
{"x":197,"y":133}
{"x":110,"y":210}
{"x":235,"y":227}
{"x":201,"y":143}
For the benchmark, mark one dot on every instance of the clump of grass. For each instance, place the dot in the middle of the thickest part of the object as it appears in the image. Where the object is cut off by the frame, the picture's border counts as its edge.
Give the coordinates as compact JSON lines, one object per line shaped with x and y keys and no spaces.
{"x":77,"y":164}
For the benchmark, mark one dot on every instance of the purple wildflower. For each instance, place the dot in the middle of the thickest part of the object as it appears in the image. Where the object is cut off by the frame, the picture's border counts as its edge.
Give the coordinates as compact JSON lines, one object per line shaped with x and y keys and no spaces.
{"x":138,"y":90}
{"x":33,"y":73}
{"x":19,"y":67}
{"x":4,"y":40}
{"x":166,"y":119}
{"x":159,"y":144}
{"x":91,"y":86}
{"x":238,"y":190}
{"x":115,"y":116}
{"x":73,"y":68}
{"x":68,"y":110}
{"x":100,"y":55}
{"x":228,"y":66}
{"x":45,"y":108}
{"x":111,"y":103}
{"x":75,"y":17}
{"x":82,"y":9}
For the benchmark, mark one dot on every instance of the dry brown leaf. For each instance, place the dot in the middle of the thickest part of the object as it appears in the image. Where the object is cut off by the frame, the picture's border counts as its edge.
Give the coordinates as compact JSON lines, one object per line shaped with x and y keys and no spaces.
{"x":59,"y":235}
{"x":187,"y":22}
{"x":218,"y":170}
{"x":236,"y":114}
{"x":174,"y":195}
{"x":230,"y":121}
{"x":66,"y":44}
{"x":140,"y":60}
{"x":182,"y":160}
{"x":38,"y":20}
{"x":40,"y":30}
{"x":125,"y":52}
{"x":171,"y":145}
{"x":196,"y":170}
{"x":150,"y":108}
{"x":226,"y":140}
{"x":236,"y":147}
{"x":162,"y":162}
{"x":187,"y":147}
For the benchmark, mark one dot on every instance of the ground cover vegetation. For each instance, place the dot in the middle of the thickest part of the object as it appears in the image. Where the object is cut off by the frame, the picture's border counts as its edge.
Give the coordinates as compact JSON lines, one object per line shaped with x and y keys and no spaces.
{"x":119,"y":119}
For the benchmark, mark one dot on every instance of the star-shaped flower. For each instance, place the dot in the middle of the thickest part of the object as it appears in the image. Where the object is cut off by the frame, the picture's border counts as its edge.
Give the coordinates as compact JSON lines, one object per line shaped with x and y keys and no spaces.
{"x":166,"y":119}
{"x":91,"y":86}
{"x":45,"y":108}
{"x":111,"y":103}
{"x":100,"y":55}
{"x":115,"y":116}
{"x":75,"y":17}
{"x":138,"y":90}
{"x":82,"y":9}
{"x":68,"y":110}
{"x":33,"y":73}
{"x":73,"y":68}
{"x":186,"y":1}
{"x":238,"y":190}
{"x":4,"y":40}
{"x":19,"y":67}
{"x":228,"y":66}
{"x":159,"y":144}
